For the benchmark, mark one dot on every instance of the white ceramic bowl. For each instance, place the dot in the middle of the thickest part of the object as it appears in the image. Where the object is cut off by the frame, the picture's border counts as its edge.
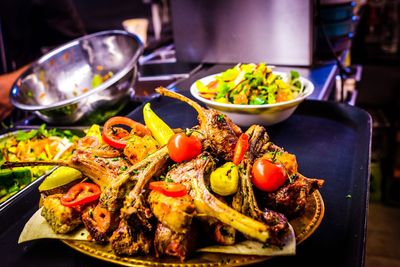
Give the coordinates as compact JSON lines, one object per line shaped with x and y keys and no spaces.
{"x":266,"y":114}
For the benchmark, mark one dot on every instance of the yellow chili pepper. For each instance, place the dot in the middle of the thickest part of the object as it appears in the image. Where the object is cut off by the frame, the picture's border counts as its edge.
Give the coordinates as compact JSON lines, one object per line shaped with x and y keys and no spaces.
{"x":225,"y":179}
{"x":95,"y":131}
{"x":159,"y":129}
{"x":60,"y":176}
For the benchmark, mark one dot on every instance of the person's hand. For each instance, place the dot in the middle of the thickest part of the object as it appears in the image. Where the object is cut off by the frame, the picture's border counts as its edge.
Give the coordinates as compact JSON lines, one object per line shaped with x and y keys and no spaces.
{"x":6,"y":81}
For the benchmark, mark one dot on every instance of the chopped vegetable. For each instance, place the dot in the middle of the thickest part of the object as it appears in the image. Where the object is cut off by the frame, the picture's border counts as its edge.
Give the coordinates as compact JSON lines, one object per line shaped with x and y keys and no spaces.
{"x":96,"y":80}
{"x":182,"y":147}
{"x":81,"y":194}
{"x":88,"y":141}
{"x":117,"y":136}
{"x":225,"y":179}
{"x":137,"y":147}
{"x":99,"y":79}
{"x":251,"y":84}
{"x":170,"y":189}
{"x":159,"y":129}
{"x":11,"y":181}
{"x":37,"y":144}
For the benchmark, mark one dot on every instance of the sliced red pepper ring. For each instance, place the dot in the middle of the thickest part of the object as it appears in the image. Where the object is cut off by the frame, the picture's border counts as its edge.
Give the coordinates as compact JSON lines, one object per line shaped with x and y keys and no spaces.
{"x":241,"y":147}
{"x":117,"y":136}
{"x":81,"y":194}
{"x":170,"y":189}
{"x":102,"y":217}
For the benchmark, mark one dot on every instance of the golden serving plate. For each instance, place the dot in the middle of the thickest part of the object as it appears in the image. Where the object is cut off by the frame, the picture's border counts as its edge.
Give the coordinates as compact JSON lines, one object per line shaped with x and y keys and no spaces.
{"x":303,"y":226}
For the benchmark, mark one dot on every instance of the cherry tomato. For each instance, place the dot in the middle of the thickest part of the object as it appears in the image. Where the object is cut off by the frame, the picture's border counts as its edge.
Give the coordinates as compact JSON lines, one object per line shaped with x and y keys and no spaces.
{"x":267,"y":176}
{"x":240,"y":149}
{"x":81,"y":194}
{"x":117,"y":136}
{"x":169,"y":189}
{"x":182,"y":147}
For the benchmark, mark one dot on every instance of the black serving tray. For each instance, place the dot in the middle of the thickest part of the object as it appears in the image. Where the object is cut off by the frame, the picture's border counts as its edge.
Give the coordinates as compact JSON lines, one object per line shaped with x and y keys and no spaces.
{"x":331,"y":141}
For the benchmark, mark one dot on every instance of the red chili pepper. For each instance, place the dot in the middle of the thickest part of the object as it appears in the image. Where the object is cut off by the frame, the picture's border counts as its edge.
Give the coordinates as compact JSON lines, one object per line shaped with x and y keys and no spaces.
{"x":81,"y":194}
{"x":117,"y":136}
{"x":169,"y":189}
{"x":241,"y":147}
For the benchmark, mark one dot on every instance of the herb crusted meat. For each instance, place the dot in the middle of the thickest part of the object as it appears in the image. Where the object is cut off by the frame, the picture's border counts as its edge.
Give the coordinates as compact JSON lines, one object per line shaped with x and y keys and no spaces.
{"x":61,"y":219}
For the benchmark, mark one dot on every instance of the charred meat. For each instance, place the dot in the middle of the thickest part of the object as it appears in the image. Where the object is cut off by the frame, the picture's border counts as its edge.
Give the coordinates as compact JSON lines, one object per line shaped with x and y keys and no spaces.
{"x":113,"y":195}
{"x":100,"y":169}
{"x":192,"y":175}
{"x":244,"y":200}
{"x":61,"y":219}
{"x":135,"y":230}
{"x":291,"y":199}
{"x":99,"y":222}
{"x":279,"y":225}
{"x":127,"y":240}
{"x":174,"y":212}
{"x":170,"y":243}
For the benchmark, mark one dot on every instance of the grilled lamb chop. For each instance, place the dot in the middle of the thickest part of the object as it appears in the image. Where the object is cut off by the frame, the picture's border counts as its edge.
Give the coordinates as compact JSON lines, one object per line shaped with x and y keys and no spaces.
{"x":118,"y":180}
{"x":291,"y":199}
{"x":128,"y":240}
{"x":135,"y":230}
{"x":99,"y":222}
{"x":174,"y":212}
{"x":244,"y":200}
{"x":218,"y":132}
{"x":113,"y":196}
{"x":100,"y":170}
{"x":168,"y":242}
{"x":61,"y":219}
{"x":191,"y":174}
{"x":174,"y":233}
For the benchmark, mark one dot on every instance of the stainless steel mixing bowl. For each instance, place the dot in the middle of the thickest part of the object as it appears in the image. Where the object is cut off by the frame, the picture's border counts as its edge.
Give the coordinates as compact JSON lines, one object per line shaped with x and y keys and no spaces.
{"x":58,"y":86}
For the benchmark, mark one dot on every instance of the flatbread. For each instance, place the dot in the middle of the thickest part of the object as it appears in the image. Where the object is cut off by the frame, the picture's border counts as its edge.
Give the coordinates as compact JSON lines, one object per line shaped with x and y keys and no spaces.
{"x":250,"y":247}
{"x":38,"y":228}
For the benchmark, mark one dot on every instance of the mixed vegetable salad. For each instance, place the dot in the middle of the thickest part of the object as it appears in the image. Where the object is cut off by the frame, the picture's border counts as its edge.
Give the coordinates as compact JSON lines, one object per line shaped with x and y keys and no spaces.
{"x":34,"y":145}
{"x":251,"y":84}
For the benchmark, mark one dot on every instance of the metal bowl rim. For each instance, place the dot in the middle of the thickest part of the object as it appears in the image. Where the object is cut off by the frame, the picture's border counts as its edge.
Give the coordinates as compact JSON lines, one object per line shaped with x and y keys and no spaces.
{"x":114,"y":79}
